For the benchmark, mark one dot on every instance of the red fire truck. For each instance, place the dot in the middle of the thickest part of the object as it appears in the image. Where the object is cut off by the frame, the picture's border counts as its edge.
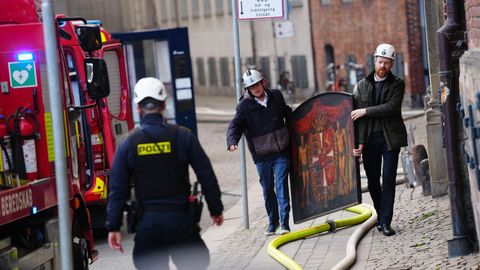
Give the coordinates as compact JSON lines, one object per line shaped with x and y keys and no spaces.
{"x":97,"y":112}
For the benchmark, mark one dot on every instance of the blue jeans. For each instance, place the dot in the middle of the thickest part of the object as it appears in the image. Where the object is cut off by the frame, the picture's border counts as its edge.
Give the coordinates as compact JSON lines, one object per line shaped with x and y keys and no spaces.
{"x":161,"y":236}
{"x":274,"y":174}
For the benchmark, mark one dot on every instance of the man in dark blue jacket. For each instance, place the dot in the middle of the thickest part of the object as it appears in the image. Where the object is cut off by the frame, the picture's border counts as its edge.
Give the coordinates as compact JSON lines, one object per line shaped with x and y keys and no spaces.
{"x":155,"y":158}
{"x":261,"y":116}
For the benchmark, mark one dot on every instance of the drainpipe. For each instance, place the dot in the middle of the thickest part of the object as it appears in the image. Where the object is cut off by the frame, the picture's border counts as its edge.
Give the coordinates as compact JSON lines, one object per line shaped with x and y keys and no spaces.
{"x":314,"y":49}
{"x":460,"y":245}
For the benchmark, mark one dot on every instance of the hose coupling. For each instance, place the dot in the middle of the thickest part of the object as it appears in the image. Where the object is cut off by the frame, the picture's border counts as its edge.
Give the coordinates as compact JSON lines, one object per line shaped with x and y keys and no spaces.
{"x":333,"y":225}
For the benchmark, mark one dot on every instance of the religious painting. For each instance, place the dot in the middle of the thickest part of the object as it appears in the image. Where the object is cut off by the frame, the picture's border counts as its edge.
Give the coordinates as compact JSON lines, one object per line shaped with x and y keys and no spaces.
{"x":324,"y":174}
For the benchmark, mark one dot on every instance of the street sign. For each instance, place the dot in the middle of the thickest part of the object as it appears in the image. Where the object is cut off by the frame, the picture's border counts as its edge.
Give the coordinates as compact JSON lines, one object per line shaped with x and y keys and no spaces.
{"x":260,"y":9}
{"x":22,"y":74}
{"x":284,"y":29}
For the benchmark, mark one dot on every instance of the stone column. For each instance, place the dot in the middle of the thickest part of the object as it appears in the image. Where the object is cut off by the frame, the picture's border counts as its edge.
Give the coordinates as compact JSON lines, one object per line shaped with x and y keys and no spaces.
{"x":436,"y":152}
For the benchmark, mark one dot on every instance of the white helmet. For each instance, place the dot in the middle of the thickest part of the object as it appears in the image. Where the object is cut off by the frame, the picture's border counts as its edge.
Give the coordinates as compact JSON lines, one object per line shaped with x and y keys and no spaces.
{"x":385,"y":50}
{"x":251,"y":77}
{"x":149,"y":87}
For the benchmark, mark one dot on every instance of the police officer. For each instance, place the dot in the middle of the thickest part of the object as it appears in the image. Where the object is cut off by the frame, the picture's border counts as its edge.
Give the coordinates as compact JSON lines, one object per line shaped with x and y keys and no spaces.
{"x":155,"y":158}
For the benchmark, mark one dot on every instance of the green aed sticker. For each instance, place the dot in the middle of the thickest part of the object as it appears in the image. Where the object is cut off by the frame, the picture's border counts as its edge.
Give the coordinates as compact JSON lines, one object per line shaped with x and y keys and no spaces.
{"x":22,"y":74}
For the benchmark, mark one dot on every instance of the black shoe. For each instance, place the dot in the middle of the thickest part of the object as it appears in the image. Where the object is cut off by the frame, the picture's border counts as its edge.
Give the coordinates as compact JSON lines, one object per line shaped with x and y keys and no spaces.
{"x":387,"y":231}
{"x":379,"y":227}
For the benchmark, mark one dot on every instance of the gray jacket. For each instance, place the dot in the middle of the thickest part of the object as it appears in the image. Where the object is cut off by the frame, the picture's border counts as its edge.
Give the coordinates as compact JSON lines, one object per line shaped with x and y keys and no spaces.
{"x":389,"y":111}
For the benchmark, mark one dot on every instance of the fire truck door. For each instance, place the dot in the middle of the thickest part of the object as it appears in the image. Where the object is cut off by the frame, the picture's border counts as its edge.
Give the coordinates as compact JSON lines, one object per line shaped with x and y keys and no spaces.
{"x":80,"y":131}
{"x":118,"y":100}
{"x":73,"y":126}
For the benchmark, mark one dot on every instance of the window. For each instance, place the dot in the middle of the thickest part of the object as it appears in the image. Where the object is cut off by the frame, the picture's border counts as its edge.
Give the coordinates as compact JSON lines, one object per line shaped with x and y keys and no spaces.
{"x":163,"y":10}
{"x":195,"y":9}
{"x":212,"y":71}
{"x":206,"y":8}
{"x":233,"y":69}
{"x":329,"y":54}
{"x":370,"y":64}
{"x":113,"y":64}
{"x":224,"y":72}
{"x":249,"y":62}
{"x":281,"y":64}
{"x":183,"y":9}
{"x":326,"y":2}
{"x":299,"y":68}
{"x":346,"y":1}
{"x":351,"y":71}
{"x":265,"y":67}
{"x":398,"y":66}
{"x":200,"y":71}
{"x":219,"y":7}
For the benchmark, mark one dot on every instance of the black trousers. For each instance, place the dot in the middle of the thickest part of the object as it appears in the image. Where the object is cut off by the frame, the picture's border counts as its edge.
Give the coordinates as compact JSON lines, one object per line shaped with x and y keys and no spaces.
{"x":383,"y":196}
{"x":161,"y":236}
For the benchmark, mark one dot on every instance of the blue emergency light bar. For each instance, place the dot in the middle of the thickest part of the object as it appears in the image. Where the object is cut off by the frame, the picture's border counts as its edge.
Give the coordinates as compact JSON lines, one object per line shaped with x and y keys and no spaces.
{"x":24,"y":56}
{"x":96,"y":22}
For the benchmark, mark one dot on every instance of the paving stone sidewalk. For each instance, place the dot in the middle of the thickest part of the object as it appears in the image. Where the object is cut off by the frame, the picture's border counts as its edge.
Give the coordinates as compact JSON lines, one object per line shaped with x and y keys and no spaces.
{"x":423,"y":226}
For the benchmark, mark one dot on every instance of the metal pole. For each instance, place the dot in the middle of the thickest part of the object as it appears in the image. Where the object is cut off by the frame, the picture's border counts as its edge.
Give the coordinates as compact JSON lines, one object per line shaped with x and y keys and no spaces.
{"x":238,"y":84}
{"x":275,"y":55}
{"x":254,"y":46}
{"x":58,"y":135}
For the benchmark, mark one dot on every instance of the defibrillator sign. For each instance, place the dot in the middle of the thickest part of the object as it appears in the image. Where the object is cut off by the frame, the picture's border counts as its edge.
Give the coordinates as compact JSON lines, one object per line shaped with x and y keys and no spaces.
{"x":22,"y":74}
{"x":144,"y":149}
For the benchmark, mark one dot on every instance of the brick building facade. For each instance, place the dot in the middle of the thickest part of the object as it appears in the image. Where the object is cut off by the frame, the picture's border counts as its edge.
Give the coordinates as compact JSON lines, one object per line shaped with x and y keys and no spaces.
{"x":472,"y":15}
{"x":346,"y":32}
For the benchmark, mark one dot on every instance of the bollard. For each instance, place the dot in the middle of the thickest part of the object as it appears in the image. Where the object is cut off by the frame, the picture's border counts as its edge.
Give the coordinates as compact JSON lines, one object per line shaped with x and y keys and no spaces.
{"x":419,"y":153}
{"x":407,"y":164}
{"x":425,"y":176}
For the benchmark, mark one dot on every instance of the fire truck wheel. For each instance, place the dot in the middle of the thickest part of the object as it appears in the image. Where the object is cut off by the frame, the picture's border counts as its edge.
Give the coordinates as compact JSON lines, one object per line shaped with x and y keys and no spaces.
{"x":80,"y":253}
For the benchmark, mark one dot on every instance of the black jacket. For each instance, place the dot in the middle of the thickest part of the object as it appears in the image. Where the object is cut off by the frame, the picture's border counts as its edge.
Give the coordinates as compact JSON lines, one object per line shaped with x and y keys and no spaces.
{"x":389,"y":110}
{"x":264,"y":127}
{"x":189,"y":151}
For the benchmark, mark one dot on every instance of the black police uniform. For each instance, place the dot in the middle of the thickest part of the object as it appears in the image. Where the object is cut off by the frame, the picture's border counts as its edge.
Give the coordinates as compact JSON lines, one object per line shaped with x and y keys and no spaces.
{"x":155,"y":157}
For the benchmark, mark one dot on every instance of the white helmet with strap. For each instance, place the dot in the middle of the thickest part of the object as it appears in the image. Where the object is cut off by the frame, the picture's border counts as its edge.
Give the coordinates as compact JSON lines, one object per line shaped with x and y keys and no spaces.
{"x":149,"y":87}
{"x":251,"y":77}
{"x":385,"y":50}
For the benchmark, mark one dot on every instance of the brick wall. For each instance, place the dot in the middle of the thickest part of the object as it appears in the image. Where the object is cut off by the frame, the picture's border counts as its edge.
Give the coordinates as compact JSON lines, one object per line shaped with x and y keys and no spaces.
{"x":415,"y":66}
{"x":357,"y":28}
{"x":472,"y":16}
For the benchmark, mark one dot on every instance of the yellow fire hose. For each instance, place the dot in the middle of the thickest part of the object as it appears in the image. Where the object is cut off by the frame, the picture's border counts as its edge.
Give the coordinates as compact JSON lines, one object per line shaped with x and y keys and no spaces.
{"x":364,"y":212}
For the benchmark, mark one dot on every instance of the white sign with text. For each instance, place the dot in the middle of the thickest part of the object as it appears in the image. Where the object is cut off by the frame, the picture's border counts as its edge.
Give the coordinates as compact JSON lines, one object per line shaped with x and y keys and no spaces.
{"x":260,"y":9}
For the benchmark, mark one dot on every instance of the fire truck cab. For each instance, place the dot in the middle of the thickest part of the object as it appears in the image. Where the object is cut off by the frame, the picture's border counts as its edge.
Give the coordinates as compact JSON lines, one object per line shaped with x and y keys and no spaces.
{"x":96,"y":113}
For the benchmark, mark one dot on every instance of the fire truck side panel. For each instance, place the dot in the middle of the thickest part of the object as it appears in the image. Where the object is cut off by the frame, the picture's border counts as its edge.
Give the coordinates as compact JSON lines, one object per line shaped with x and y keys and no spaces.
{"x":26,"y":200}
{"x":27,"y":90}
